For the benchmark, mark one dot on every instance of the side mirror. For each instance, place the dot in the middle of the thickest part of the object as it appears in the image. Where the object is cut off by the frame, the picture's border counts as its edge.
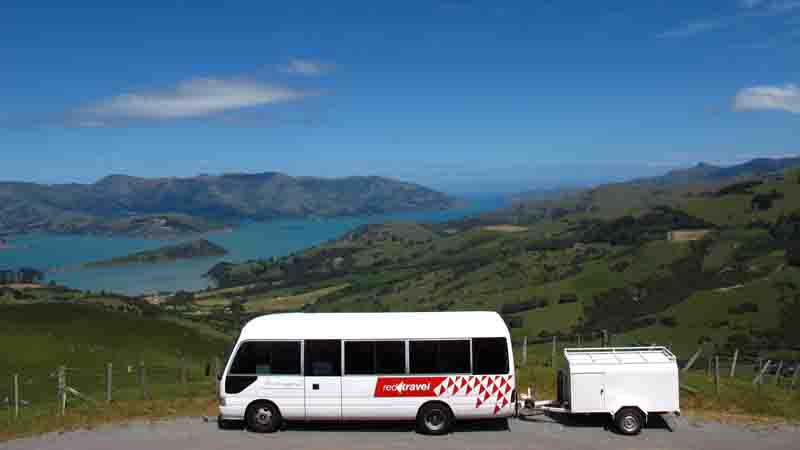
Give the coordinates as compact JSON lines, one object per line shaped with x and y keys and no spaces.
{"x":219,"y":375}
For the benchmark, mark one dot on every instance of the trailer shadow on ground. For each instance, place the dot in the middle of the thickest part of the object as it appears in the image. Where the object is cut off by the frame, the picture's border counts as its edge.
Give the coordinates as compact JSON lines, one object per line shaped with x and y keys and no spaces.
{"x":590,"y":421}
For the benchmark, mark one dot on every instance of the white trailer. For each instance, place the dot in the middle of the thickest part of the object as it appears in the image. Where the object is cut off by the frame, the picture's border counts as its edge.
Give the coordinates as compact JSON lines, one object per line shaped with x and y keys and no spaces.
{"x":629,"y":383}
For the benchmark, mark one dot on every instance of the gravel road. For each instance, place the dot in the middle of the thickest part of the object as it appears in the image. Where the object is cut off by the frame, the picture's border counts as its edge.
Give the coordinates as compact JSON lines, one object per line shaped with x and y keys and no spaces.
{"x":537,"y":433}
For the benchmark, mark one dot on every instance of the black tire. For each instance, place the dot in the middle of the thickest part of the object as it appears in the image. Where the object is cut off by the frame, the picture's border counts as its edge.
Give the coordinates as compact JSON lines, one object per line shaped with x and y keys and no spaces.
{"x":629,"y":421}
{"x":263,"y":417}
{"x":561,"y":380}
{"x":435,"y":419}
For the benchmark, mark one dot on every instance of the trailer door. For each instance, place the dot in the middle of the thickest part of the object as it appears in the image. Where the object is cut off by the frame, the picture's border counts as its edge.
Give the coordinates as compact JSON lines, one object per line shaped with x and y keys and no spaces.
{"x":323,"y":379}
{"x":588,"y":392}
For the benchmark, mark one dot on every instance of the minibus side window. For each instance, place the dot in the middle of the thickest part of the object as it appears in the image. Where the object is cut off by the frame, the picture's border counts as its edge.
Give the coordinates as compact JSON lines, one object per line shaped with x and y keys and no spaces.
{"x":437,"y":357}
{"x":323,"y":358}
{"x":267,"y":358}
{"x":489,"y":356}
{"x":374,"y":357}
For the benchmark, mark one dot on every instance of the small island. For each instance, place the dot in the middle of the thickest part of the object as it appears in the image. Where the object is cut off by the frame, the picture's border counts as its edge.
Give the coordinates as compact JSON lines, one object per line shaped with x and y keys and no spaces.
{"x":200,"y":248}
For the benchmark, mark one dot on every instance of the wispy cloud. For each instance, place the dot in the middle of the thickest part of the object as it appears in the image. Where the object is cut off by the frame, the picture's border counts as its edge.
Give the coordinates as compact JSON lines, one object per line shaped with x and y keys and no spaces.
{"x":777,"y":98}
{"x":690,"y":29}
{"x":747,"y":10}
{"x":769,"y":7}
{"x":750,"y":4}
{"x":307,"y":67}
{"x":192,"y":98}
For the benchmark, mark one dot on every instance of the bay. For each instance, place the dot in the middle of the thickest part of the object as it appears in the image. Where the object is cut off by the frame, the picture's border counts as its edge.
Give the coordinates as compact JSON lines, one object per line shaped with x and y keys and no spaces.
{"x":62,"y":255}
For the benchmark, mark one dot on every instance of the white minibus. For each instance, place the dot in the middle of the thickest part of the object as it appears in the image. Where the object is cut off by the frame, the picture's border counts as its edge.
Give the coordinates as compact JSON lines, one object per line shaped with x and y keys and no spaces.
{"x":431,"y":367}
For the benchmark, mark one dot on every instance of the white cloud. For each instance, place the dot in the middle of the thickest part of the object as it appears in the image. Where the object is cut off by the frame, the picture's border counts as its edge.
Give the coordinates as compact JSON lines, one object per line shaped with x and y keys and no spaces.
{"x":307,"y":67}
{"x":783,"y":6}
{"x":779,"y":98}
{"x":690,"y":29}
{"x":749,"y":4}
{"x":769,"y":7}
{"x":197,"y":97}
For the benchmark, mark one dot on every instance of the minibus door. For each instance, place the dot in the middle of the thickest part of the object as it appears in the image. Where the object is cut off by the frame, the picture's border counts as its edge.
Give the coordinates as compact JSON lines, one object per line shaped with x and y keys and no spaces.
{"x":323,"y":380}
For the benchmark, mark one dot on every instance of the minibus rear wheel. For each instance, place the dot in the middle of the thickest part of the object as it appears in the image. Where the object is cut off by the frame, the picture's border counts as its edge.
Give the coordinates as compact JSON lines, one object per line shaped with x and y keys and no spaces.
{"x":263,"y":417}
{"x":435,"y":418}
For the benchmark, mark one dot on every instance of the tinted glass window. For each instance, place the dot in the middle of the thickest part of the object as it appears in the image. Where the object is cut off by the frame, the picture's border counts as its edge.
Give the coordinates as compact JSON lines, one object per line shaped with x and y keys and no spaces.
{"x":489,"y":356}
{"x":390,"y":357}
{"x":359,"y":358}
{"x":440,"y":357}
{"x":374,"y":357}
{"x":267,"y":358}
{"x":323,"y":358}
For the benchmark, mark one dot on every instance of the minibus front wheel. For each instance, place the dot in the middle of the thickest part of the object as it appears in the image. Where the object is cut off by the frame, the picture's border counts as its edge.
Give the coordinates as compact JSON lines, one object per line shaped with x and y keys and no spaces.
{"x":435,"y":418}
{"x":263,"y":417}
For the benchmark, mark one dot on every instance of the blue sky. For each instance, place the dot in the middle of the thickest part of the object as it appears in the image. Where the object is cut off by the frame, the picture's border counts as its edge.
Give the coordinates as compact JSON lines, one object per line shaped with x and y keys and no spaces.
{"x":465,"y":96}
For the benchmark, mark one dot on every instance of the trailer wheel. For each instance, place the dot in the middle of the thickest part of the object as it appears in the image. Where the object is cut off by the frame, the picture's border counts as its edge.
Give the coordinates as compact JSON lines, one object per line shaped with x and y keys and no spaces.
{"x":434,"y":418}
{"x":263,"y":417}
{"x":629,"y":421}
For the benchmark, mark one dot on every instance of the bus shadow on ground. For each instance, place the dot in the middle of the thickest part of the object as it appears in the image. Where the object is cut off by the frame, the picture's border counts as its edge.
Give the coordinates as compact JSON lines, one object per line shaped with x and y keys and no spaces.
{"x":387,"y":427}
{"x":654,"y":422}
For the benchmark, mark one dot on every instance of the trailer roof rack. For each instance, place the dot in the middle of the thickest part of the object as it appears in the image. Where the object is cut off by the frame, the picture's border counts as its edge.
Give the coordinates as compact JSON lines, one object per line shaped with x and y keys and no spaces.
{"x":618,"y":355}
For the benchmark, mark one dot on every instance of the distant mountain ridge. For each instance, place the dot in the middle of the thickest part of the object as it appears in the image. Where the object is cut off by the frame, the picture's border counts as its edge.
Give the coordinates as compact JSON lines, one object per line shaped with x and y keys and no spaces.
{"x":200,"y":203}
{"x":703,"y":172}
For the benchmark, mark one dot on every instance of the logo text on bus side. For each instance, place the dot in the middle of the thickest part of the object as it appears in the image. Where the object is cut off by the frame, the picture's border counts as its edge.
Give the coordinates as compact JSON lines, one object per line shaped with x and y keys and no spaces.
{"x":407,"y":386}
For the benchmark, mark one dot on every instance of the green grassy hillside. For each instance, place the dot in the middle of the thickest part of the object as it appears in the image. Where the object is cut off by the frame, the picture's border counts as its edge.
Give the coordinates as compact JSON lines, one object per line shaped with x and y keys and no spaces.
{"x":37,"y":338}
{"x":597,"y":259}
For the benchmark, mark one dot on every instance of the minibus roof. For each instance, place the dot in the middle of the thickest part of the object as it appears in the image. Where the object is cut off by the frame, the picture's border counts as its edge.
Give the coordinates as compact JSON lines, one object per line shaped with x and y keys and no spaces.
{"x":375,"y":326}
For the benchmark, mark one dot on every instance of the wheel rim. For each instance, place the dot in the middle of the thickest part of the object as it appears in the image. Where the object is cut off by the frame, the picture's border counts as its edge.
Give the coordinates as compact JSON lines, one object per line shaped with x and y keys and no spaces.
{"x":435,"y":420}
{"x":630,"y":423}
{"x":263,"y":416}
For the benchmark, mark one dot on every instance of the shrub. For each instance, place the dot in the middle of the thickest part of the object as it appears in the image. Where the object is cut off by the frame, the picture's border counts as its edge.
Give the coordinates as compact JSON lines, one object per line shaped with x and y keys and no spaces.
{"x":620,"y":266}
{"x":746,"y":307}
{"x":568,"y":298}
{"x":514,"y":322}
{"x":739,"y":188}
{"x":793,"y":253}
{"x":669,"y":321}
{"x":512,"y":308}
{"x":763,"y":202}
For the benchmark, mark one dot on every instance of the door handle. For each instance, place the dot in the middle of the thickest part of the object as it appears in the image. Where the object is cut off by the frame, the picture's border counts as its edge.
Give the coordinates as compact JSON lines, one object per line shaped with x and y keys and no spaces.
{"x":315,"y":386}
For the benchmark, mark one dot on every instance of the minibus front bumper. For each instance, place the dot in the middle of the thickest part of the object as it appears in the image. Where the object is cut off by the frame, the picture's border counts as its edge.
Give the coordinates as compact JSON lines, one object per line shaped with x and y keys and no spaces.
{"x":235,"y":412}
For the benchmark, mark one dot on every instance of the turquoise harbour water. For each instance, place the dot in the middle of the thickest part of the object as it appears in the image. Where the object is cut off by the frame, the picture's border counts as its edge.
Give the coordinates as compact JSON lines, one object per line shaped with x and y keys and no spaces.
{"x":62,"y":255}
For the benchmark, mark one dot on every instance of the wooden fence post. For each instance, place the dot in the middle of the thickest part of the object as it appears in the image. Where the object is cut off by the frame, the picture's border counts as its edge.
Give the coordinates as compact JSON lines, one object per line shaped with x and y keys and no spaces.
{"x":16,"y":396}
{"x":553,"y":359}
{"x":794,"y":377}
{"x":716,"y":373}
{"x":524,"y":351}
{"x":778,"y":373}
{"x":143,"y":379}
{"x":733,"y":365}
{"x":692,"y":359}
{"x":62,"y":389}
{"x":757,"y":379}
{"x":708,"y":366}
{"x":109,"y":374}
{"x":184,"y":376}
{"x":579,"y":340}
{"x":605,"y":338}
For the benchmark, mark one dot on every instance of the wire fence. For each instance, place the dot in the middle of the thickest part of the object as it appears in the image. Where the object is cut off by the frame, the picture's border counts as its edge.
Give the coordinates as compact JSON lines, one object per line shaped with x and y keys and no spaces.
{"x":66,"y":387}
{"x":756,"y":366}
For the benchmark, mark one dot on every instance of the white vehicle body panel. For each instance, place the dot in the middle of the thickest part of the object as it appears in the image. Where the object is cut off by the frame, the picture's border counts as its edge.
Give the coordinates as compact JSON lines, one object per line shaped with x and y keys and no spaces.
{"x":375,"y":397}
{"x":608,"y":379}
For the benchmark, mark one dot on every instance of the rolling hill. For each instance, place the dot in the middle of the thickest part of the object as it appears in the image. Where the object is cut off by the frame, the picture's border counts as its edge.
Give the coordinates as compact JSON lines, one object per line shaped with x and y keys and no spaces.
{"x":158,"y":207}
{"x":606,"y":258}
